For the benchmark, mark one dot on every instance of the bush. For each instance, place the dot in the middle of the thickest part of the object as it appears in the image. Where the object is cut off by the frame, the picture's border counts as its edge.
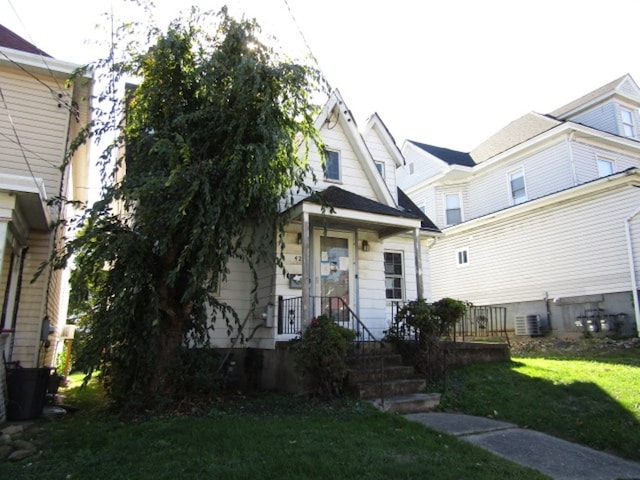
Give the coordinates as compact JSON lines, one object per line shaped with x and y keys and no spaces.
{"x":320,"y":356}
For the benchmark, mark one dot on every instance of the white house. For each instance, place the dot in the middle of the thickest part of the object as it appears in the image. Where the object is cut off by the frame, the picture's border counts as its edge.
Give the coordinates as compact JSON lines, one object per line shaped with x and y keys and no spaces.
{"x":352,"y":262}
{"x":542,"y":218}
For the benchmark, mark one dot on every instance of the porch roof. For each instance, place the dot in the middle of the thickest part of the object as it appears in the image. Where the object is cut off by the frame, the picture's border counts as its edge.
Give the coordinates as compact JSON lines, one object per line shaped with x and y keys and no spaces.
{"x":339,"y":199}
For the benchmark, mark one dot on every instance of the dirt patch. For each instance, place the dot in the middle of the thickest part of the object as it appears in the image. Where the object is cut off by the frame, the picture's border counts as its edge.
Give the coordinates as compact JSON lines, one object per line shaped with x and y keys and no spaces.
{"x":528,"y":345}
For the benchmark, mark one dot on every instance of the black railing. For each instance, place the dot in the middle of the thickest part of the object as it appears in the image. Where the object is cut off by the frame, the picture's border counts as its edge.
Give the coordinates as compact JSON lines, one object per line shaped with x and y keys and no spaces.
{"x":478,"y":323}
{"x":290,"y":316}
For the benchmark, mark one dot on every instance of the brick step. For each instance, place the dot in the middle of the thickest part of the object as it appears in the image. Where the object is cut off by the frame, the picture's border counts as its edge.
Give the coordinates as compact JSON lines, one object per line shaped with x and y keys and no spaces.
{"x":410,"y":403}
{"x":372,"y":375}
{"x":374,"y":361}
{"x":390,"y":388}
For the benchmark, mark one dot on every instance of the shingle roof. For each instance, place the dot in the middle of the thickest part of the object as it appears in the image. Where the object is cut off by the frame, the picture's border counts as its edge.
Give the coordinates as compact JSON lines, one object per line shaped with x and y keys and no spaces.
{"x":8,"y":39}
{"x":336,"y":197}
{"x":452,"y":157}
{"x":609,"y":87}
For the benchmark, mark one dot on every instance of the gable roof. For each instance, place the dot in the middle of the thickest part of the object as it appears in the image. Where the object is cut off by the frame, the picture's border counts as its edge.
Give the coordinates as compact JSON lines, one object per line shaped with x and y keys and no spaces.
{"x":374,"y":122}
{"x":9,"y":39}
{"x":598,"y":94}
{"x":336,"y":197}
{"x":407,"y":204}
{"x":452,"y":157}
{"x":336,"y":106}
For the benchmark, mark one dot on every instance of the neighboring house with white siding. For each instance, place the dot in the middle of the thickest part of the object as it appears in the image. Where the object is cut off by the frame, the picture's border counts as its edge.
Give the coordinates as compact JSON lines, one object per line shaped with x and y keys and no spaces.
{"x":542,"y":218}
{"x":40,"y":113}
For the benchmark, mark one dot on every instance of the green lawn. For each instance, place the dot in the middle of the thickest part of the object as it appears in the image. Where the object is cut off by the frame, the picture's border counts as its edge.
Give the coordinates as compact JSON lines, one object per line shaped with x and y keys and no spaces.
{"x":267,"y":438}
{"x":592,"y":397}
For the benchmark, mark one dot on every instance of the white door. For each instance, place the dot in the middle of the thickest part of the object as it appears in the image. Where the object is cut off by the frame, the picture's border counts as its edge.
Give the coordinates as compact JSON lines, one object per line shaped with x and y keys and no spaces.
{"x":334,"y":274}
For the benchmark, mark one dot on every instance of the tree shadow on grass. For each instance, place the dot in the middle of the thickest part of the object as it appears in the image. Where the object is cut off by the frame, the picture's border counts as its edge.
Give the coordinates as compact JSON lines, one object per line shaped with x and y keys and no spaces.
{"x":578,"y":411}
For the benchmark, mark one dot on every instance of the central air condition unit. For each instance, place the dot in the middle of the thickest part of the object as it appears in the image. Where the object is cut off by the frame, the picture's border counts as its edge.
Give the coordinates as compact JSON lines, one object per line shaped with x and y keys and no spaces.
{"x":528,"y":325}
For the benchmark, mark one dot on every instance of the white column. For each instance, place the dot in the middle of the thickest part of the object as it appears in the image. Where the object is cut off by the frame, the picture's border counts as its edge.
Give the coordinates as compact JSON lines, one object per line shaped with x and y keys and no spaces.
{"x":418,"y":261}
{"x":306,"y":271}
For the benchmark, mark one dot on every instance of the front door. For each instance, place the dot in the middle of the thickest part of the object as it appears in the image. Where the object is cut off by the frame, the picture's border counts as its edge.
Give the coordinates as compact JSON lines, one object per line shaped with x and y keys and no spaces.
{"x":334,"y":273}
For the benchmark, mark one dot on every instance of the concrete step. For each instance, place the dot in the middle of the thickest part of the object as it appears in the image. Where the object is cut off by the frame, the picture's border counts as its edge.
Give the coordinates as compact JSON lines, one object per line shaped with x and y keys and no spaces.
{"x":391,"y":388}
{"x":358,"y":376}
{"x":410,"y":403}
{"x":374,"y":361}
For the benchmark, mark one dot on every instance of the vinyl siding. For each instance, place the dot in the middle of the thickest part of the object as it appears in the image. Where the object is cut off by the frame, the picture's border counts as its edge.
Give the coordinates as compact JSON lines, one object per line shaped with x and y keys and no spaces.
{"x":577,"y":248}
{"x":40,"y":124}
{"x":585,"y":156}
{"x":380,"y":153}
{"x":603,"y":117}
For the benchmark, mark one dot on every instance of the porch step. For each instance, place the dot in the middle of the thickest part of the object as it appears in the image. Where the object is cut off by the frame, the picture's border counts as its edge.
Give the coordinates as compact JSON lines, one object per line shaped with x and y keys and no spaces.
{"x":391,"y":388}
{"x":359,"y":376}
{"x":411,"y":403}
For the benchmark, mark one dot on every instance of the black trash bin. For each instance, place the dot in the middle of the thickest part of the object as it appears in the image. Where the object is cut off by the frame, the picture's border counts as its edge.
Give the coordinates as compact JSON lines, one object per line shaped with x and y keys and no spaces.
{"x":26,"y":392}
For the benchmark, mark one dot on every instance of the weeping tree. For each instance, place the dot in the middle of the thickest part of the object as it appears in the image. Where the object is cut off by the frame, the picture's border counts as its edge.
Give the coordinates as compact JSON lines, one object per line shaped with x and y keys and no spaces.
{"x":213,"y":141}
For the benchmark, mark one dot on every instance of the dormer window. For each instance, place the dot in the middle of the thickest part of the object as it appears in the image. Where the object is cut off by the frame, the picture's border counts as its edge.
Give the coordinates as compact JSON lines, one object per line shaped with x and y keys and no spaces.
{"x":453,"y":208}
{"x":332,"y":165}
{"x":628,"y":126}
{"x":517,"y":187}
{"x":380,"y":168}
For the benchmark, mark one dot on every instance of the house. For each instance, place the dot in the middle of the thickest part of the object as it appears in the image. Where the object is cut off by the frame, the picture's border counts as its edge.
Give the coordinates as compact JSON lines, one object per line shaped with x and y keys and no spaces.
{"x":351,"y":261}
{"x":40,"y":113}
{"x":543,"y":217}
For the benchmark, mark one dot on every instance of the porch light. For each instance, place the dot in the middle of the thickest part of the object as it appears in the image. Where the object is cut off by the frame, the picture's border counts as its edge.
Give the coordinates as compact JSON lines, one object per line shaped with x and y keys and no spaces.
{"x":365,"y":246}
{"x":299,"y":238}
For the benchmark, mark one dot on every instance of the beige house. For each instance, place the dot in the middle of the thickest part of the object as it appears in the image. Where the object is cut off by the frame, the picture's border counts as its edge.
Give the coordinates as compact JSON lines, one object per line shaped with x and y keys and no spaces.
{"x":40,"y":113}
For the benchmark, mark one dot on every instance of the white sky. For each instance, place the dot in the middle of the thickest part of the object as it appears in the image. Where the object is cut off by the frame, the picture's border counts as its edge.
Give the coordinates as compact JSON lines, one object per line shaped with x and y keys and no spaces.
{"x":445,"y":72}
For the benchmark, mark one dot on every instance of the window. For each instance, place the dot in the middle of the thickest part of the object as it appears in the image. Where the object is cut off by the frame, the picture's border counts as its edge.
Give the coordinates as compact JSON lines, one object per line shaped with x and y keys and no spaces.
{"x":628,"y":129}
{"x":462,"y":256}
{"x":517,"y":187}
{"x":411,"y":169}
{"x":380,"y":167}
{"x":332,"y":165}
{"x":393,"y":275}
{"x":605,"y":167}
{"x":453,"y":210}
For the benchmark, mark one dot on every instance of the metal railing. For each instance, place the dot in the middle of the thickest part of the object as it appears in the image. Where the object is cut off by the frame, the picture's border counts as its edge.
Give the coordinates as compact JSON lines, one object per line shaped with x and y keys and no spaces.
{"x":478,"y":323}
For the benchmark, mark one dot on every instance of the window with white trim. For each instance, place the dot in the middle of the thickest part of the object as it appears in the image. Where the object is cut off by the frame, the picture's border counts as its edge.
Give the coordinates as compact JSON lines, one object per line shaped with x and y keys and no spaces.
{"x":462,"y":256}
{"x":393,"y":275}
{"x":605,"y":167}
{"x":453,"y":208}
{"x":332,"y":165}
{"x":628,"y":125}
{"x":380,"y":167}
{"x":517,"y":187}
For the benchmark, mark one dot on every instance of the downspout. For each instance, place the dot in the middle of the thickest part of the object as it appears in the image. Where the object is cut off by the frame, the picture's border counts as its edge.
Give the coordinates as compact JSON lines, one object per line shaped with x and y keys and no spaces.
{"x":632,"y":269}
{"x":418,"y":262}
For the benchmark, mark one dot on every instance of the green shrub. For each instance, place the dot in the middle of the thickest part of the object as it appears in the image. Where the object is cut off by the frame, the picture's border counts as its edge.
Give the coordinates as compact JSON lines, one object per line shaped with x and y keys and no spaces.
{"x":320,"y":356}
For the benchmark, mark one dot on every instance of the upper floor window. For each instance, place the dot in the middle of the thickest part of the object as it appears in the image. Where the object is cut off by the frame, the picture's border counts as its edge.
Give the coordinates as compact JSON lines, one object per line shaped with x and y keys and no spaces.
{"x":628,"y":128}
{"x":332,"y":165}
{"x":380,"y":167}
{"x":393,"y":275}
{"x":605,"y":167}
{"x":462,"y":256}
{"x":453,"y":208}
{"x":517,"y":187}
{"x":411,"y":168}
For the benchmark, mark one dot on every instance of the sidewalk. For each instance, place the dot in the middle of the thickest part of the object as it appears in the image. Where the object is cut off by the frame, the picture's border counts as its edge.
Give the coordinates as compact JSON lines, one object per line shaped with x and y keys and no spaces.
{"x":559,"y":459}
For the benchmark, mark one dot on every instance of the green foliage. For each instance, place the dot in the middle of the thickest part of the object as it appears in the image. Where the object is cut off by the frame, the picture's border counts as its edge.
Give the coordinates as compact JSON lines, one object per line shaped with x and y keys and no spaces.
{"x":320,"y":355}
{"x":216,"y":132}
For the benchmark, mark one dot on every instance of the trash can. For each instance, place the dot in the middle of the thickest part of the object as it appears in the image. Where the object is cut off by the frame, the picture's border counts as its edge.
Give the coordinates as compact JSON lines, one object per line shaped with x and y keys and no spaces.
{"x":26,"y":392}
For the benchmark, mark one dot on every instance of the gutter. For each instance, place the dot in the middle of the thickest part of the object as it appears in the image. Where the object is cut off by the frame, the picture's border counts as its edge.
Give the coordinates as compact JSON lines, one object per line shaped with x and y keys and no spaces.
{"x":632,"y":269}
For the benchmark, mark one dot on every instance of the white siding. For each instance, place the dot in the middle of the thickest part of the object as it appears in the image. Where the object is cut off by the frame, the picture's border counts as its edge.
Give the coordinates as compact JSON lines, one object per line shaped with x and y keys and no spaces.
{"x":380,"y":153}
{"x":585,"y":155}
{"x":603,"y":117}
{"x":577,"y":248}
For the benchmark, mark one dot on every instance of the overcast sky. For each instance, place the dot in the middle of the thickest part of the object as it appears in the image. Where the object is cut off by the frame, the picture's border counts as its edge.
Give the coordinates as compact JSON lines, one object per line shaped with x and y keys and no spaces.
{"x":444,"y":72}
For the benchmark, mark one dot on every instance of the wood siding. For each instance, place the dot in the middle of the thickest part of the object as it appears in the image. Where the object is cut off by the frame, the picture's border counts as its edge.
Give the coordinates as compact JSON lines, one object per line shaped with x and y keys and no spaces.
{"x":577,"y":248}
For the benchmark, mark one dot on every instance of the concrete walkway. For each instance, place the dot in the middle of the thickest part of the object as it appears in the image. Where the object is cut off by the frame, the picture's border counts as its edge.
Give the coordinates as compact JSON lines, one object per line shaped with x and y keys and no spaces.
{"x":559,"y":459}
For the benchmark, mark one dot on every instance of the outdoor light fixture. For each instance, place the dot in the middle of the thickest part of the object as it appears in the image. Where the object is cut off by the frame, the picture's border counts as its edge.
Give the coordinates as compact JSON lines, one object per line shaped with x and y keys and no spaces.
{"x":300,"y":239}
{"x":365,"y":246}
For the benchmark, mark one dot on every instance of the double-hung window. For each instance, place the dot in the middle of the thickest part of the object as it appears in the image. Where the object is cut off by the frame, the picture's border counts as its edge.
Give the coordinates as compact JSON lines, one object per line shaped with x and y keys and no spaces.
{"x":517,"y":187}
{"x":453,"y":208}
{"x":332,"y":165}
{"x":605,"y":167}
{"x":628,"y":125}
{"x":393,"y":275}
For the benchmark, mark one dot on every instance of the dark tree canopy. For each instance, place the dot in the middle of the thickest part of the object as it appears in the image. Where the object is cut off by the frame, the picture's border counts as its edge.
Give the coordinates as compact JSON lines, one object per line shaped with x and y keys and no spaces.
{"x":213,"y":132}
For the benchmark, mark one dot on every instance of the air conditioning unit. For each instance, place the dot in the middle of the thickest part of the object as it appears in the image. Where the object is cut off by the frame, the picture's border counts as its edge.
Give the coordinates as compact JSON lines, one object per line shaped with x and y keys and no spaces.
{"x":528,"y":325}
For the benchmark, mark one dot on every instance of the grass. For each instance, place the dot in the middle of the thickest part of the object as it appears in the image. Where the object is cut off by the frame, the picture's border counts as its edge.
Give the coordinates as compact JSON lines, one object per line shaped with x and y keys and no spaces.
{"x":591,"y":398}
{"x":262,"y":438}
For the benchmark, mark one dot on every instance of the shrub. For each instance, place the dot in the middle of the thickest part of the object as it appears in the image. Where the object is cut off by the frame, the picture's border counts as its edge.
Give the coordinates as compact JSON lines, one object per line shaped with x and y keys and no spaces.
{"x":320,"y":355}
